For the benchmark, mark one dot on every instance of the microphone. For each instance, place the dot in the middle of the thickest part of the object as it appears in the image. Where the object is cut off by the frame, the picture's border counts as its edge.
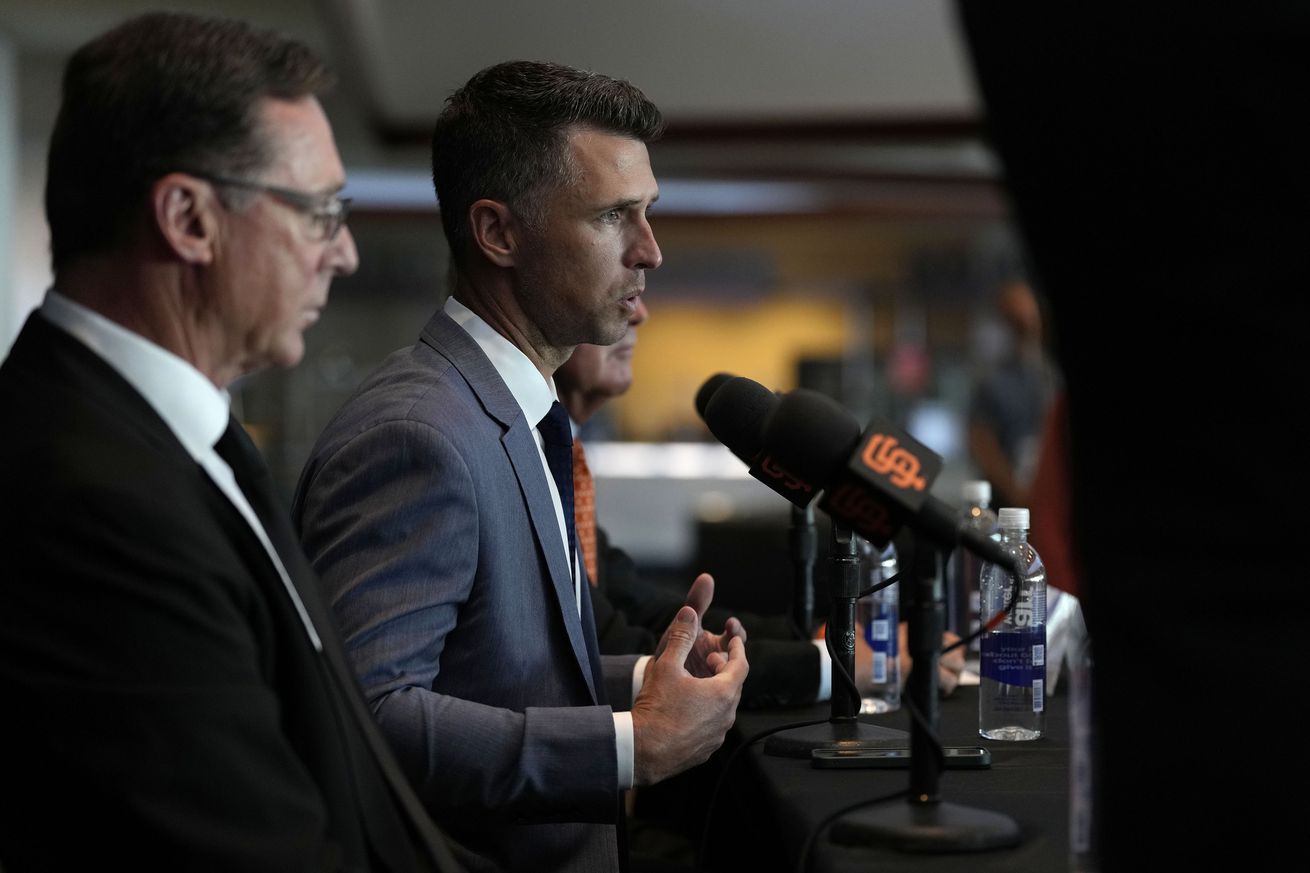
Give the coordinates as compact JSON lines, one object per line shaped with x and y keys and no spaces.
{"x":735,"y":413}
{"x":874,"y":479}
{"x":712,"y":384}
{"x":735,"y":409}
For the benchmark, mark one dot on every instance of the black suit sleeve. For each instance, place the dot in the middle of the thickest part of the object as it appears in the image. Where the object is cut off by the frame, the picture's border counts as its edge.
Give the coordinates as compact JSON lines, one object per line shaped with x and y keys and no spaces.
{"x":618,"y":632}
{"x":632,"y":613}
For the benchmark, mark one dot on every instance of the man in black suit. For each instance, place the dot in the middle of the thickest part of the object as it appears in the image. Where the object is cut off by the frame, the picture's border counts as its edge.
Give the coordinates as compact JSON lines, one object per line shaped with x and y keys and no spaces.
{"x":175,"y":695}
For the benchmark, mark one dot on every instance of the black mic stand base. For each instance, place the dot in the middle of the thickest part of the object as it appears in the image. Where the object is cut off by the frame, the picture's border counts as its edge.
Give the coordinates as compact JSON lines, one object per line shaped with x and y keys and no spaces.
{"x":838,"y":734}
{"x":924,"y":823}
{"x":926,"y":827}
{"x":843,"y":731}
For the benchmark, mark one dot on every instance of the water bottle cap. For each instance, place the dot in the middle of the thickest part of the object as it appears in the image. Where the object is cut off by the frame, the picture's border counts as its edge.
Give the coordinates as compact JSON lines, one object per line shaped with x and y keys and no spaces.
{"x":1013,"y":517}
{"x":976,"y":491}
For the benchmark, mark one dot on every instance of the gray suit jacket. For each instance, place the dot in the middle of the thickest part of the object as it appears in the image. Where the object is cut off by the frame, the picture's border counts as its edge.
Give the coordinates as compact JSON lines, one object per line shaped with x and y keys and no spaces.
{"x":426,"y":511}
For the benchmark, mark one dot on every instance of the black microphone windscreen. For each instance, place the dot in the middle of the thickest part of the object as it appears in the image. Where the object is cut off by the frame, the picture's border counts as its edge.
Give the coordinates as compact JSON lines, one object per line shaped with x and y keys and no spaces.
{"x":811,"y":434}
{"x":712,"y":384}
{"x":736,"y":415}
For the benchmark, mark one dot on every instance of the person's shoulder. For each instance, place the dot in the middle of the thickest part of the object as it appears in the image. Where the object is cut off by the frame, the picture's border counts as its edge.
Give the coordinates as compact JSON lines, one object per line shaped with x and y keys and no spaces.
{"x":98,"y":477}
{"x":407,"y":384}
{"x":415,"y":407}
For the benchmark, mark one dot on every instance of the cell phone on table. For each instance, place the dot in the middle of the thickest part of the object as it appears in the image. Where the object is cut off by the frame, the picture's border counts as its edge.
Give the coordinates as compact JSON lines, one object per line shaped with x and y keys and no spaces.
{"x":955,"y":757}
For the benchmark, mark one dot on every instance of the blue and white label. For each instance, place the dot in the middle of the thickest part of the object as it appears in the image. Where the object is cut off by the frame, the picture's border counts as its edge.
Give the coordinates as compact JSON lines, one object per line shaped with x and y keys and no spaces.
{"x":1009,"y":656}
{"x":880,"y":668}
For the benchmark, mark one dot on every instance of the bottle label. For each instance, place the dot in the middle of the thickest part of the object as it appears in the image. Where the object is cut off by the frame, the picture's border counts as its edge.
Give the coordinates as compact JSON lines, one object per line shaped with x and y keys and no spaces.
{"x":1016,"y":658}
{"x":880,"y":632}
{"x":880,"y":668}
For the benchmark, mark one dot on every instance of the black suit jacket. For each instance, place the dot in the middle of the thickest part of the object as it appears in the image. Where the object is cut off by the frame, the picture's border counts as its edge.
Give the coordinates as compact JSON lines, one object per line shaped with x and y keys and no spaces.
{"x":164,"y":707}
{"x":632,"y":613}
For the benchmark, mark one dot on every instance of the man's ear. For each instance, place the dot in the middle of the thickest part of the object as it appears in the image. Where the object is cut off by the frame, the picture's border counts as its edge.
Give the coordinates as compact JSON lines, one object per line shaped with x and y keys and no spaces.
{"x":495,"y":232}
{"x":183,"y":210}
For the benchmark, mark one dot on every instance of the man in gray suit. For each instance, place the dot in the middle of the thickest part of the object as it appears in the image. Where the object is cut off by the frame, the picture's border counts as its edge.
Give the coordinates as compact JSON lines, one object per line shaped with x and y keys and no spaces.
{"x":428,"y":508}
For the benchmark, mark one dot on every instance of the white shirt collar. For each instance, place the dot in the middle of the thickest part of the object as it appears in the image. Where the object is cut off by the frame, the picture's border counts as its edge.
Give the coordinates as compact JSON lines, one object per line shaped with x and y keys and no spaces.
{"x":533,"y":393}
{"x":192,"y":407}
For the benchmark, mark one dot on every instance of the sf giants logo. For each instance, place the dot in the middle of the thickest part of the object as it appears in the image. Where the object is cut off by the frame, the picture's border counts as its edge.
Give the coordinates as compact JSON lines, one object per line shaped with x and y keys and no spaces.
{"x":868,"y":517}
{"x":883,"y":455}
{"x":773,"y":470}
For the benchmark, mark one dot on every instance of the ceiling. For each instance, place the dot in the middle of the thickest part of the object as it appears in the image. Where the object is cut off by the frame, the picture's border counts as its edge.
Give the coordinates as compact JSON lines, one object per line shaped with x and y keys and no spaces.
{"x":839,"y":106}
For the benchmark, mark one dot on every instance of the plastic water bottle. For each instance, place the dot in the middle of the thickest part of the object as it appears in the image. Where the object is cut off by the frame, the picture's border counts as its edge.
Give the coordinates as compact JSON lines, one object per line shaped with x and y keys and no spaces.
{"x":879,"y":614}
{"x":1011,"y":696}
{"x":962,"y":596}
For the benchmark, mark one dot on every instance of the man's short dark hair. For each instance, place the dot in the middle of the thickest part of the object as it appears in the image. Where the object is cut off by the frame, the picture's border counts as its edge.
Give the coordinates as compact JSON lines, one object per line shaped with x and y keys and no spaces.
{"x":162,"y":92}
{"x":503,"y":136}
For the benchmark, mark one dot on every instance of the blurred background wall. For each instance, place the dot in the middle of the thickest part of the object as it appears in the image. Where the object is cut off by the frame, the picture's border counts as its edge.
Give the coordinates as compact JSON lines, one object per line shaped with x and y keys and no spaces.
{"x":830,"y":216}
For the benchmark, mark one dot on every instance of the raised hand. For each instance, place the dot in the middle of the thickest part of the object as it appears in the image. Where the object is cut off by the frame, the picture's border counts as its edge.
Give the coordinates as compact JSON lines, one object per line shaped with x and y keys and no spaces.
{"x":699,"y":597}
{"x":679,"y":719}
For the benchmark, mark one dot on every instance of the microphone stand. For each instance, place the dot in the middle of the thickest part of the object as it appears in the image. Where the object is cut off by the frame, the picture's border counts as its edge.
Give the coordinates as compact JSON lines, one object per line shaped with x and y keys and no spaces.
{"x":843,"y":731}
{"x":804,"y":546}
{"x":924,"y":822}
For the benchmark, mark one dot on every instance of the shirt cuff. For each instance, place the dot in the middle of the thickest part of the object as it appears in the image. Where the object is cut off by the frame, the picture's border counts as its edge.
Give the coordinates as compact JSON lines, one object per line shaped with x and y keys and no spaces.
{"x":825,"y":671}
{"x":624,"y":744}
{"x":639,"y":674}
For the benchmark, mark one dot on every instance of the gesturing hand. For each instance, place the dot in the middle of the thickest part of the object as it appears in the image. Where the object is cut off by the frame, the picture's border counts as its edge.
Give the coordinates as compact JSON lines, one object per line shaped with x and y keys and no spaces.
{"x":679,"y":719}
{"x":706,"y":644}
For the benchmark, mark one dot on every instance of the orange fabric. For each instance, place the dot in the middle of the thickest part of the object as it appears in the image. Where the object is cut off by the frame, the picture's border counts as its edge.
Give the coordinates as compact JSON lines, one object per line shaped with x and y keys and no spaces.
{"x":584,"y":509}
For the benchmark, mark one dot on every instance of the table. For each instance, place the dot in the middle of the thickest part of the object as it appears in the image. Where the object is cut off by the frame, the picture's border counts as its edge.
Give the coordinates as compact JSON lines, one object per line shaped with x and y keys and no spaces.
{"x":762,"y":815}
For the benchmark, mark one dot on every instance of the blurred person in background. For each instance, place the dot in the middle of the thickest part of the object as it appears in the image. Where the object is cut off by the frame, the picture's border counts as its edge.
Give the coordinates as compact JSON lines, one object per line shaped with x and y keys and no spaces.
{"x":1008,"y":404}
{"x":1048,"y":499}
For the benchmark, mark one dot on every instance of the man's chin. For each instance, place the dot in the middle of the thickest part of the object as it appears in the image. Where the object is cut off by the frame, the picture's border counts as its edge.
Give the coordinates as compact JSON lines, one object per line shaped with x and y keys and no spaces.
{"x":610,"y":334}
{"x":289,"y":353}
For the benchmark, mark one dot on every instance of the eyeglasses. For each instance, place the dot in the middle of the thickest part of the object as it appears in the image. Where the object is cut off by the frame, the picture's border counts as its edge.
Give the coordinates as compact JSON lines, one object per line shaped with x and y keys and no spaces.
{"x":328,"y":212}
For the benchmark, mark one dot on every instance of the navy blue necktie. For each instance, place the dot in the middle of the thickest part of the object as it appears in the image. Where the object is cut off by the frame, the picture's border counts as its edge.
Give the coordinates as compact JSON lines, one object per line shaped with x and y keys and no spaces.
{"x":558,"y":437}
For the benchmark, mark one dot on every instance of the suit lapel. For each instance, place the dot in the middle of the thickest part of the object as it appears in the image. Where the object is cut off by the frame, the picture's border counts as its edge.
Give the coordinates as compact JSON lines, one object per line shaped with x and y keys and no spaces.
{"x":453,"y":342}
{"x":521,"y":448}
{"x":592,"y":640}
